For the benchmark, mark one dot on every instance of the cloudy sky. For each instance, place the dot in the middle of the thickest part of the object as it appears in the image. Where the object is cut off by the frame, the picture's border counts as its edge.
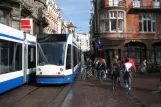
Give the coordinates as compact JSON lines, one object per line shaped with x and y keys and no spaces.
{"x":77,"y":11}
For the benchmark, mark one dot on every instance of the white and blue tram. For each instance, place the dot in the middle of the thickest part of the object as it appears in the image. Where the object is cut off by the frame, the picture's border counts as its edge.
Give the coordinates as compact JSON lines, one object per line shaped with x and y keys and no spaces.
{"x":17,"y":58}
{"x":58,"y":59}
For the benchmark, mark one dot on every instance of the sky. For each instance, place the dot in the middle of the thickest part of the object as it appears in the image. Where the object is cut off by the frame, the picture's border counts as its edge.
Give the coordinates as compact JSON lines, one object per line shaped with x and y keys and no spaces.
{"x":77,"y":11}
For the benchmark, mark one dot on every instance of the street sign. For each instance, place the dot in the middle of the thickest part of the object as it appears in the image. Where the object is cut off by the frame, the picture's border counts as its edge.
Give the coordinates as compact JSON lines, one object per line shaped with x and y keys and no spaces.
{"x":26,"y":24}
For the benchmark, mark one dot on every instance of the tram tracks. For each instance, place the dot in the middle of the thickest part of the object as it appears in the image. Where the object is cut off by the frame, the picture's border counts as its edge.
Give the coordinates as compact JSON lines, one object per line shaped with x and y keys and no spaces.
{"x":36,"y":96}
{"x":55,"y":96}
{"x":10,"y":105}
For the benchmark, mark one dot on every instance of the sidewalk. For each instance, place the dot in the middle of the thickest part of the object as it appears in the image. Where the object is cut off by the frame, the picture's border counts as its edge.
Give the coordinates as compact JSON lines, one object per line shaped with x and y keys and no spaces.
{"x":91,"y":93}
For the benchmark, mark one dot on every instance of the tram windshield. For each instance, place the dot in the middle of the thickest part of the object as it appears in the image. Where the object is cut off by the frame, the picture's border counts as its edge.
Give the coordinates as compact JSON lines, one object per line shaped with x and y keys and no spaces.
{"x":52,"y":53}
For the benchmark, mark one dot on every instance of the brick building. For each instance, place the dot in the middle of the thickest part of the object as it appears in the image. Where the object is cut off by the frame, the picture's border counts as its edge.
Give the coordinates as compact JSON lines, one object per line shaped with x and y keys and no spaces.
{"x":130,"y":27}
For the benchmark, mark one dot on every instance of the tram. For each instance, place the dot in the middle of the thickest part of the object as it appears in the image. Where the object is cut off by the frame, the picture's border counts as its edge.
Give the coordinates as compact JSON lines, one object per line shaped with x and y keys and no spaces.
{"x":58,"y":59}
{"x":17,"y":58}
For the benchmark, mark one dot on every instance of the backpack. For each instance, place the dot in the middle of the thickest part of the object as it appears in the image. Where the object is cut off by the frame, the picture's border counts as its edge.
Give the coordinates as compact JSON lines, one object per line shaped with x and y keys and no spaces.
{"x":115,"y":70}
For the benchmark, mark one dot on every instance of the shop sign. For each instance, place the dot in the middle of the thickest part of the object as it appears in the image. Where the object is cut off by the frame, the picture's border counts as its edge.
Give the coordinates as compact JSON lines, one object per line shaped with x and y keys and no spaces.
{"x":135,"y":40}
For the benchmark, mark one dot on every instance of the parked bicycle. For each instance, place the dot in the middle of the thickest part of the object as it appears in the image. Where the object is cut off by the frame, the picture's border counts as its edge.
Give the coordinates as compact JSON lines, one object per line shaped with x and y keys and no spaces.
{"x":89,"y":71}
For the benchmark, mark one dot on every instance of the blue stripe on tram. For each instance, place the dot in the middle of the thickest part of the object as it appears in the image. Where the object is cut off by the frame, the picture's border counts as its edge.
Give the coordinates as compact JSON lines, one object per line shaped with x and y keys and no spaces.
{"x":13,"y":83}
{"x":11,"y":37}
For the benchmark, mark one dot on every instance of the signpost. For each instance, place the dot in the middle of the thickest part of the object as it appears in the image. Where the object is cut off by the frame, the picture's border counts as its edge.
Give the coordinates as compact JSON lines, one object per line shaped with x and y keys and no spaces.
{"x":26,"y":25}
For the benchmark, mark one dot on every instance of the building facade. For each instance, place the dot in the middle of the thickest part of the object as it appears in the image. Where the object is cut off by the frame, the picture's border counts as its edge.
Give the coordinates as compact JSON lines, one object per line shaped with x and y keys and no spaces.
{"x":131,"y":28}
{"x":70,"y":28}
{"x":52,"y":15}
{"x":83,"y":40}
{"x":12,"y":11}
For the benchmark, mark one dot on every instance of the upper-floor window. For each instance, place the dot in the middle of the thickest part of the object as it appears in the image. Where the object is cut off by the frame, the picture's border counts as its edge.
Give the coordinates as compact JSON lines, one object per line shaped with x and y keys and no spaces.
{"x":115,"y":2}
{"x":156,"y":4}
{"x":112,"y":21}
{"x":147,"y":23}
{"x":136,"y":3}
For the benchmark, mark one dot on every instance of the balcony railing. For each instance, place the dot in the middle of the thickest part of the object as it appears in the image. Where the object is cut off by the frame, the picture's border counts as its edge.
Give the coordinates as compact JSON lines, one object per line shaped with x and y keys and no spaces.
{"x":116,"y":4}
{"x":145,"y":5}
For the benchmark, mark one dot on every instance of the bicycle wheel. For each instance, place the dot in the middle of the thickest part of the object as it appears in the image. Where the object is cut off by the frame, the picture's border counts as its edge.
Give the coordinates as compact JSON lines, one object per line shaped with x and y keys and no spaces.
{"x":95,"y":74}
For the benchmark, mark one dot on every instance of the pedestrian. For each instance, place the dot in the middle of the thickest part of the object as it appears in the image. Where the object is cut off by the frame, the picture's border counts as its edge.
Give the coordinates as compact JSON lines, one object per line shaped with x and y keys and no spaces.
{"x":119,"y":64}
{"x":115,"y":73}
{"x":144,"y":67}
{"x":128,"y":73}
{"x":102,"y":69}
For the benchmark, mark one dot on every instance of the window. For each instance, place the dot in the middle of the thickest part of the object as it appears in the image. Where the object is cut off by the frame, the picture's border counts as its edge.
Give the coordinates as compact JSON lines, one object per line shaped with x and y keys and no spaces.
{"x":68,"y":57}
{"x":31,"y":56}
{"x":53,"y":52}
{"x":136,"y":3}
{"x":113,"y":22}
{"x":75,"y":55}
{"x":114,"y":2}
{"x":113,"y":25}
{"x":147,"y":23}
{"x":120,"y":25}
{"x":156,"y":3}
{"x":10,"y":56}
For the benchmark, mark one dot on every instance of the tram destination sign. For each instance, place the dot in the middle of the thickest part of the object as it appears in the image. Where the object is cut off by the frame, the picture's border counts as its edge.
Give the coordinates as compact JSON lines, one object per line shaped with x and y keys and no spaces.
{"x":26,"y":24}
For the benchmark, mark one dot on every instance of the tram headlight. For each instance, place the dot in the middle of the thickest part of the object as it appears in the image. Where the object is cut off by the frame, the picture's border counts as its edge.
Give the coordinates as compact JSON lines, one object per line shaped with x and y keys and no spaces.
{"x":39,"y":69}
{"x":61,"y":69}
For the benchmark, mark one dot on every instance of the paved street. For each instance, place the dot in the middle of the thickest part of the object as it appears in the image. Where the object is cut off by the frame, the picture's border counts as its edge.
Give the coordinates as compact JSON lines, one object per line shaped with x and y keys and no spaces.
{"x":145,"y":93}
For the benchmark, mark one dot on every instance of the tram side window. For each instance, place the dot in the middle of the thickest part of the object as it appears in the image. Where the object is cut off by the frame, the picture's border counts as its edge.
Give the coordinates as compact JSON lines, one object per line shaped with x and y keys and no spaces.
{"x":75,"y":55}
{"x":79,"y":58}
{"x":31,"y":56}
{"x":18,"y":59}
{"x":10,"y":56}
{"x":68,"y":59}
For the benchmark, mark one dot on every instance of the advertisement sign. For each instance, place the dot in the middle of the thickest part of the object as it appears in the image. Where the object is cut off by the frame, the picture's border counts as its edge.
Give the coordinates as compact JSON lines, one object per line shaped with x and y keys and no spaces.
{"x":26,"y":24}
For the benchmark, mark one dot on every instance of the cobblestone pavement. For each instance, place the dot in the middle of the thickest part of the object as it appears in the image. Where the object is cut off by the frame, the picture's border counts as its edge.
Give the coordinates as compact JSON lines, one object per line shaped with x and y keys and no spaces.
{"x":147,"y":88}
{"x":145,"y":93}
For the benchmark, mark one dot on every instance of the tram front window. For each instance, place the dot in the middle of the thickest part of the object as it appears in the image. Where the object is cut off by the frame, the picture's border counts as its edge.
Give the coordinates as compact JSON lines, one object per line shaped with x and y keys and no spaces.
{"x":54,"y":52}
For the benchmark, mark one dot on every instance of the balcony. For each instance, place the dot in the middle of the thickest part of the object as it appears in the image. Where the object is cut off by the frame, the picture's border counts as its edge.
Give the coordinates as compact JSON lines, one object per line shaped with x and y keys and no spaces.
{"x":136,"y":6}
{"x":115,"y":4}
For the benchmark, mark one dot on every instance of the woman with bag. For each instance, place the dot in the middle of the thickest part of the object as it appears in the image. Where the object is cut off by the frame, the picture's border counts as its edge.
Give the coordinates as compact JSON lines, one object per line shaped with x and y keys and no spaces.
{"x":102,"y":69}
{"x":115,"y":73}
